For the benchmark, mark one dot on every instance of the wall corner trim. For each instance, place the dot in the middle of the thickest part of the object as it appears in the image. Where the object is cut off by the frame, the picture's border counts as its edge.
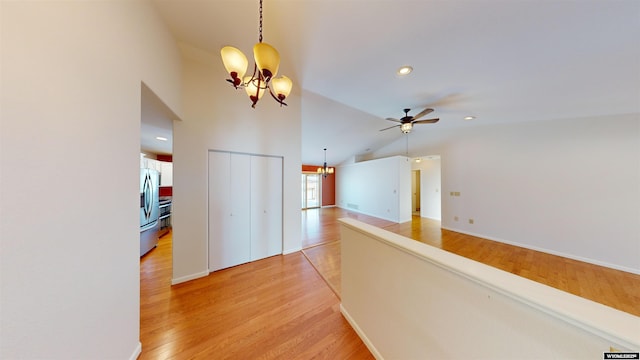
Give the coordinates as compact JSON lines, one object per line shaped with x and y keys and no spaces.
{"x":136,"y":352}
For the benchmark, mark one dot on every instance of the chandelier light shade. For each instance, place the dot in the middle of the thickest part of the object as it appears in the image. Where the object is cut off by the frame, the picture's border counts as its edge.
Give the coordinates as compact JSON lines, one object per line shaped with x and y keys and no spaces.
{"x":253,"y":89}
{"x":235,"y":62}
{"x":265,"y":69}
{"x":406,"y":128}
{"x":267,"y":59}
{"x":282,"y":87}
{"x":325,"y":170}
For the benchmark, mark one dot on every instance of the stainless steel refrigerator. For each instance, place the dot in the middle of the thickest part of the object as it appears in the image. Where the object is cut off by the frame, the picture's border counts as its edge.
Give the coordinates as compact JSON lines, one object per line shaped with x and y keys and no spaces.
{"x":149,"y":209}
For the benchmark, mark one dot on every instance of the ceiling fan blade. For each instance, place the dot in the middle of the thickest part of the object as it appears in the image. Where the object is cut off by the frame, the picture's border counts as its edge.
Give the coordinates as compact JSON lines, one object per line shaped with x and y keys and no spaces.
{"x":390,"y":127}
{"x":427,"y":121}
{"x":392,"y":119}
{"x":423,"y":113}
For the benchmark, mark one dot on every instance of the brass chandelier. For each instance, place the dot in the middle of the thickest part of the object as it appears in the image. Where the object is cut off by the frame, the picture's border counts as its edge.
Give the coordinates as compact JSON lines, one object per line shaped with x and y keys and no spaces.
{"x":267,"y":61}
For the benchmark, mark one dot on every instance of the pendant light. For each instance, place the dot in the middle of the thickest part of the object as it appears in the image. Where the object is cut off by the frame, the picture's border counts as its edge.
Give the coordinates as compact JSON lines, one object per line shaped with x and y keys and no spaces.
{"x":325,"y":170}
{"x":265,"y":69}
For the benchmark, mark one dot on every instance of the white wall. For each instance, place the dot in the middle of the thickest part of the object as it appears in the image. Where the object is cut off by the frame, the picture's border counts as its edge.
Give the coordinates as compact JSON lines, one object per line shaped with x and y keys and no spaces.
{"x":380,"y":188}
{"x":217,"y":117}
{"x":70,"y":144}
{"x":430,"y":187}
{"x":568,"y":187}
{"x":409,"y":300}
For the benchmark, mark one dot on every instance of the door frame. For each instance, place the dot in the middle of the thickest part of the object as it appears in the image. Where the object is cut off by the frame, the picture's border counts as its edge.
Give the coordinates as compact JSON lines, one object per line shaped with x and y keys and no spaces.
{"x":304,"y":204}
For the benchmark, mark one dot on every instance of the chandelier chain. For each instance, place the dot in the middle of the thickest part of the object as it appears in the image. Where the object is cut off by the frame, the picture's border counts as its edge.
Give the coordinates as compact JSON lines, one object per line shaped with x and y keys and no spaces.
{"x":260,"y":27}
{"x":265,"y":68}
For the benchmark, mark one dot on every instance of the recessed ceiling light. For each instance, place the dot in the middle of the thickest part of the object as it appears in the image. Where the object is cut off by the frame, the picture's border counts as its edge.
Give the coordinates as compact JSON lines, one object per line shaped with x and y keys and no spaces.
{"x":405,"y":70}
{"x":418,"y":160}
{"x":469,"y":117}
{"x":161,"y":138}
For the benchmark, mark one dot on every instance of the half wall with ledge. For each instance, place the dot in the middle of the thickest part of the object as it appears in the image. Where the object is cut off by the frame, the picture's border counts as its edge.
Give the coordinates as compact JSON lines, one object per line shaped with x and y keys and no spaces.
{"x":409,"y":300}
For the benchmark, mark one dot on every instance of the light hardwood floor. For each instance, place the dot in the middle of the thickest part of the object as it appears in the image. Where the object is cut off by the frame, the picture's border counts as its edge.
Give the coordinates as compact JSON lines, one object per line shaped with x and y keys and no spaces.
{"x":276,"y":308}
{"x":617,"y":289}
{"x":281,"y":308}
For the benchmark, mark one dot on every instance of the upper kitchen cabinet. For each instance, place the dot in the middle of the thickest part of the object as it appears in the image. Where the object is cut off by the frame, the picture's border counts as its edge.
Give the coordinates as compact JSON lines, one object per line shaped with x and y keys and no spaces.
{"x":166,"y":173}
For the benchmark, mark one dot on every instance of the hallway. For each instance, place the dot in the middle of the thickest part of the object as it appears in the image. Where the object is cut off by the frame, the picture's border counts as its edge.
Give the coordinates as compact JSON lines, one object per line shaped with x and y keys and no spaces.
{"x":274,"y":308}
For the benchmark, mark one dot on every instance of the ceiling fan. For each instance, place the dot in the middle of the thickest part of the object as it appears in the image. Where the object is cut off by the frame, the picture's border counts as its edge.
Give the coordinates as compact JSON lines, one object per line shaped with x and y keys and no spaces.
{"x":406,"y":122}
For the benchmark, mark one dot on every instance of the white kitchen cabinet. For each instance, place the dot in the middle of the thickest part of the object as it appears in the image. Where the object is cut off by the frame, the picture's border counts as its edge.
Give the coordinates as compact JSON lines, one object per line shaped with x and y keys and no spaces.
{"x":166,"y":173}
{"x":245,"y":208}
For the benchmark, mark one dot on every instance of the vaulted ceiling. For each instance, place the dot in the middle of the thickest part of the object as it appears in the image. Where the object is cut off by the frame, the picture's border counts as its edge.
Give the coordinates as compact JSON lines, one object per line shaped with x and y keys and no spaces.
{"x":499,"y":61}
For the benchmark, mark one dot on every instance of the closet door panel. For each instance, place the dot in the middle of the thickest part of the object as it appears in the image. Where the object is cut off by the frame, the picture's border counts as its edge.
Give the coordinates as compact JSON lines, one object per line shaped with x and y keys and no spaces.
{"x":258,"y":207}
{"x":266,"y":207}
{"x":245,"y":208}
{"x":239,"y":241}
{"x":219,"y":205}
{"x":229,"y":204}
{"x":274,"y":208}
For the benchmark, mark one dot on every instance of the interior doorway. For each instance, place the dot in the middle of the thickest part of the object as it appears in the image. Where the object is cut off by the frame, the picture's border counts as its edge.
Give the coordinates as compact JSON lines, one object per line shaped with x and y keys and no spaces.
{"x":311,"y":195}
{"x":426,"y":185}
{"x":415,"y":192}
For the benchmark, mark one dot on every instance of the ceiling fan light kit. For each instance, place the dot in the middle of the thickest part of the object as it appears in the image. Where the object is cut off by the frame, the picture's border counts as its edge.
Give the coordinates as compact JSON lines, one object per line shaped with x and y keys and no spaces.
{"x":265,"y":68}
{"x":406,"y":128}
{"x":406,"y":122}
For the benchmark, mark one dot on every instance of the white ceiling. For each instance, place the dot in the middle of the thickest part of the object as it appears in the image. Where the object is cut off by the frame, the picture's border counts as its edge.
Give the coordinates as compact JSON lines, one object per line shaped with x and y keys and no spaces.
{"x":500,"y":61}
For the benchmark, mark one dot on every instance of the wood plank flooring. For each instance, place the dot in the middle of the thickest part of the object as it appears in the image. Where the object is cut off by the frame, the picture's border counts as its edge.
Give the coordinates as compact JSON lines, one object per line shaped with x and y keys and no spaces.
{"x":281,"y":308}
{"x":617,"y":289}
{"x":276,"y":308}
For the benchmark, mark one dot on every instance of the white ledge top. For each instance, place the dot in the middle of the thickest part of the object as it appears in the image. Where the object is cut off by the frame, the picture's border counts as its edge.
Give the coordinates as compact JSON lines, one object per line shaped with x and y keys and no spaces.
{"x":607,"y":322}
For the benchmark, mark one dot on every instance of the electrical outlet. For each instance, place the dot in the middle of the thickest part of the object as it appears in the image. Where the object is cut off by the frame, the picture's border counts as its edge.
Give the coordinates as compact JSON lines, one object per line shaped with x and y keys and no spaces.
{"x":452,"y":193}
{"x":455,"y":218}
{"x":470,"y":221}
{"x":457,"y":193}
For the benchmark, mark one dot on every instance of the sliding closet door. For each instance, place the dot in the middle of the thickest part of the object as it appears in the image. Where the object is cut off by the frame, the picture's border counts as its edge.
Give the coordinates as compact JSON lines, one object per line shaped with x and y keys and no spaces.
{"x":229,"y":210}
{"x":266,"y":206}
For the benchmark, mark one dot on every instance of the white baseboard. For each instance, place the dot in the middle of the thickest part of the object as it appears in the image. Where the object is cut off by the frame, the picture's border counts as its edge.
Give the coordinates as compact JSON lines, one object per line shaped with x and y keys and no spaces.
{"x":360,"y":333}
{"x":189,"y":277}
{"x":136,"y":352}
{"x":291,"y":251}
{"x":552,"y":252}
{"x":372,"y":215}
{"x":432,"y":218}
